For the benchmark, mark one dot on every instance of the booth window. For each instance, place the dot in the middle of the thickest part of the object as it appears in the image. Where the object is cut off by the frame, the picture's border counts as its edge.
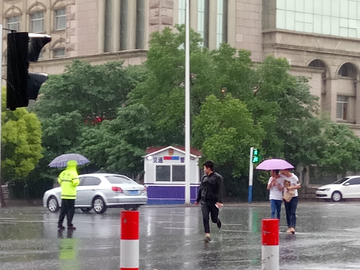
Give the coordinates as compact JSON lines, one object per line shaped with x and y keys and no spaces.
{"x":163,"y":173}
{"x":170,"y":173}
{"x":178,"y":173}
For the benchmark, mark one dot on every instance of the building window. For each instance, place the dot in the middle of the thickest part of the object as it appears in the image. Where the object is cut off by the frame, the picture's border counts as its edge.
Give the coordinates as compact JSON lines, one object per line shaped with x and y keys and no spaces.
{"x":219,"y":22}
{"x":329,"y":17}
{"x":182,"y":11}
{"x":348,"y":70}
{"x":13,"y":23}
{"x":59,"y":52}
{"x":108,"y":25}
{"x":60,"y":19}
{"x":203,"y":21}
{"x":123,"y":24}
{"x":37,"y":22}
{"x":140,"y":23}
{"x":342,"y":107}
{"x":225,"y":21}
{"x":170,"y":173}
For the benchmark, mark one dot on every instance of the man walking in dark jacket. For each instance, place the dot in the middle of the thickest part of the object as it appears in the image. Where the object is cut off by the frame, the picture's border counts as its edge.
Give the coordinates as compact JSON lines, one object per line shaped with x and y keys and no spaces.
{"x":210,"y":197}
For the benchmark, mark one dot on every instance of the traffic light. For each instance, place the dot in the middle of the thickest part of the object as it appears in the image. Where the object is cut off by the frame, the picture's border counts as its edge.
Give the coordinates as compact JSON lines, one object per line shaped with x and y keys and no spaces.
{"x":256,"y":156}
{"x":21,"y":85}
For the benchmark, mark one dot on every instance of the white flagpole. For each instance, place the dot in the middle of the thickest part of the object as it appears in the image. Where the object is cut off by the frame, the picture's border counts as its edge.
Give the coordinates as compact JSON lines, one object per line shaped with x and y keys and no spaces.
{"x":187,"y":104}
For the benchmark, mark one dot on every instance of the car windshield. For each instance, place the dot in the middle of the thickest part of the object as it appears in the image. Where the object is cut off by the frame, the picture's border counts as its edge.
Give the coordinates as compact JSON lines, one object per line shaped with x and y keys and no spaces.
{"x":340,"y":181}
{"x":118,"y":179}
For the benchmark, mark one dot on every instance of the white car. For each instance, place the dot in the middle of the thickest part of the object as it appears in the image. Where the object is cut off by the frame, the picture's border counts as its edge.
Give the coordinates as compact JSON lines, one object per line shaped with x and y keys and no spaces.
{"x":344,"y":188}
{"x":99,"y":191}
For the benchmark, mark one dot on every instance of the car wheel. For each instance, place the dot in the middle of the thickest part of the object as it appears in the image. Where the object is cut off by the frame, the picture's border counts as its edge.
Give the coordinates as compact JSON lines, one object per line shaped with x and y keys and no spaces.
{"x":336,"y":196}
{"x":85,"y":209}
{"x":99,"y":205}
{"x":132,"y":207}
{"x":53,"y":204}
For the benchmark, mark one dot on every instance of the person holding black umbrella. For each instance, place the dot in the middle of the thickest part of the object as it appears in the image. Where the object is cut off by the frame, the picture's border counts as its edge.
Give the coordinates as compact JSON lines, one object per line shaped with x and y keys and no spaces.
{"x":68,"y":180}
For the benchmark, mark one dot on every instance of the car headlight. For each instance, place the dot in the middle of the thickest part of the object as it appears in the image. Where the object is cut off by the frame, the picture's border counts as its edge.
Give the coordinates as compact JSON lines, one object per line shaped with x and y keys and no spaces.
{"x":323,"y":189}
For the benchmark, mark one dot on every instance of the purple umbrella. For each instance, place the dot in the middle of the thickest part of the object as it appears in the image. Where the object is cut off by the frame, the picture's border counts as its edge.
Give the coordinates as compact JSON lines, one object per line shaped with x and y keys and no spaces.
{"x":60,"y":161}
{"x":274,"y":164}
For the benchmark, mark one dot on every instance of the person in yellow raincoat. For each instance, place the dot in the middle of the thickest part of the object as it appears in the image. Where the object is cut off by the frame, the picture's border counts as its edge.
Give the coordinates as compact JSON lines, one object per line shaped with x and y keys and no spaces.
{"x":68,"y":180}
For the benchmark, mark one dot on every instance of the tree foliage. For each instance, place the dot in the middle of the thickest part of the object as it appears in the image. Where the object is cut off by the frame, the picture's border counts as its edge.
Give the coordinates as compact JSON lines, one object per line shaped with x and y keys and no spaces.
{"x":340,"y":149}
{"x":21,"y":142}
{"x":223,"y":129}
{"x":280,"y":104}
{"x":118,"y":145}
{"x":92,"y":91}
{"x":111,"y":114}
{"x":82,"y":110}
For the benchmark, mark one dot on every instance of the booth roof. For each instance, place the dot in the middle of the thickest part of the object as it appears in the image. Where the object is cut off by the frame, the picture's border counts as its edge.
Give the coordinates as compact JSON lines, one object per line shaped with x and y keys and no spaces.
{"x":153,"y":149}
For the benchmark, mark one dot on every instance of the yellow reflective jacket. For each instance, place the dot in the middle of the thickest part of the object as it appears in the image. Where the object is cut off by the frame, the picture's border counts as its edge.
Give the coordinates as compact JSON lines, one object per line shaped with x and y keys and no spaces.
{"x":69,"y":180}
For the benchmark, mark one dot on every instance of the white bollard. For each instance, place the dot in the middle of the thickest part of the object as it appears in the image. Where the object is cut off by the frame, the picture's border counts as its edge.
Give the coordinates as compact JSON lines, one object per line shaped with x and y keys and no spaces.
{"x":129,"y":240}
{"x":270,"y":244}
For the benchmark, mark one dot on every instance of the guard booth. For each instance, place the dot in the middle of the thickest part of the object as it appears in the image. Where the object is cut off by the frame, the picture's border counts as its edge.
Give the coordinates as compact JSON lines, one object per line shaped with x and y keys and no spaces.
{"x":165,"y":174}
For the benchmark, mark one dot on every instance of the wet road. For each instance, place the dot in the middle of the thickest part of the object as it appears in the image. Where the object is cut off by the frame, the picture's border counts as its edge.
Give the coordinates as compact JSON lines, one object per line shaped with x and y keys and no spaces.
{"x":328,"y":237}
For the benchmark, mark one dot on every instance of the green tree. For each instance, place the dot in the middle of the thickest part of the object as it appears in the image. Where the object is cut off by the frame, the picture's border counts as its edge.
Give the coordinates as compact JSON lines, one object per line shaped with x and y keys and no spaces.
{"x":92,"y":91}
{"x":280,"y":103}
{"x":224,"y":138}
{"x":339,"y":150}
{"x":163,"y":93}
{"x":283,"y":105}
{"x":79,"y":99}
{"x":75,"y":103}
{"x":21,"y":143}
{"x":119,"y":145}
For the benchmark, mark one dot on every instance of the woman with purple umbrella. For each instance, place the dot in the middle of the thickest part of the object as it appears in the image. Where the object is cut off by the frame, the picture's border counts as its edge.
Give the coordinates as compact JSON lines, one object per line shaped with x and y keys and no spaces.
{"x":291,"y":185}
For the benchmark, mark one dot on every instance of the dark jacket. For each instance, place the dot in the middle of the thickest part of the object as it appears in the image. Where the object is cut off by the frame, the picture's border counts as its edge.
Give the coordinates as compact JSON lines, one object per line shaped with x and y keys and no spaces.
{"x":210,"y":190}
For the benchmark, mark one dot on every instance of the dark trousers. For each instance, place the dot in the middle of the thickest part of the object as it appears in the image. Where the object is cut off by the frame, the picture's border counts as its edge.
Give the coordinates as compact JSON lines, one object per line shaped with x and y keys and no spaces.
{"x":68,"y":210}
{"x":207,"y":209}
{"x":275,"y":208}
{"x":290,"y":208}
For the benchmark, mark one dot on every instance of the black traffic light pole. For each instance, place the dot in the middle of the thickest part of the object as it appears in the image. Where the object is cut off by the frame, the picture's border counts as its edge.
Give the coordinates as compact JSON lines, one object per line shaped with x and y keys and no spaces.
{"x":21,"y":85}
{"x":2,"y":200}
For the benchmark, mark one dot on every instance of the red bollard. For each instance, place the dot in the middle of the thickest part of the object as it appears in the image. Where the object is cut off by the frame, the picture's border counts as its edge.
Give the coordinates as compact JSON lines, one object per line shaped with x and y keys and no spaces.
{"x":270,"y":244}
{"x":129,"y":240}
